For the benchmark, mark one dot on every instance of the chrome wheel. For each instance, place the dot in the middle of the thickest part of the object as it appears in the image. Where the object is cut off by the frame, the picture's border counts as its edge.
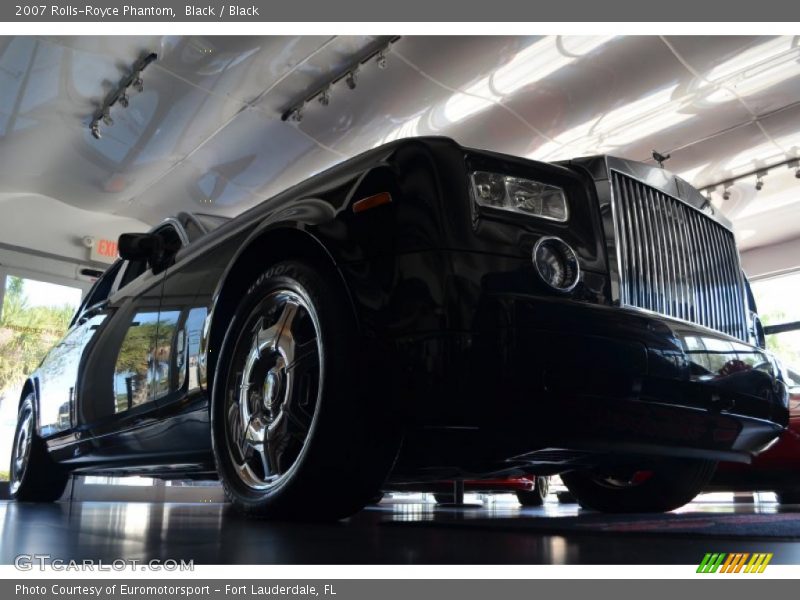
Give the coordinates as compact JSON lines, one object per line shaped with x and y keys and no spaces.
{"x":22,"y":448}
{"x":273,"y":392}
{"x":543,"y":485}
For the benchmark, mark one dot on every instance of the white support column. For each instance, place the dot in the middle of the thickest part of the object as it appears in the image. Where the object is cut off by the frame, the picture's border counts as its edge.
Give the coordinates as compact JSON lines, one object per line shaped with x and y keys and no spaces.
{"x":3,"y":273}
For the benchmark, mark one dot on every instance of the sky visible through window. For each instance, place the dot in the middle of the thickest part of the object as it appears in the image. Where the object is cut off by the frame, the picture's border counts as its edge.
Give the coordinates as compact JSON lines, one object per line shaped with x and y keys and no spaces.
{"x":778,"y":301}
{"x":36,"y":305}
{"x":41,"y":293}
{"x":778,"y":298}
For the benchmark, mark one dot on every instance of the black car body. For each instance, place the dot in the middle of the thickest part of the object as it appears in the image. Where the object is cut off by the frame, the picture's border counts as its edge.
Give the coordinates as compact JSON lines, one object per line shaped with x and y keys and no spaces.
{"x":480,"y":365}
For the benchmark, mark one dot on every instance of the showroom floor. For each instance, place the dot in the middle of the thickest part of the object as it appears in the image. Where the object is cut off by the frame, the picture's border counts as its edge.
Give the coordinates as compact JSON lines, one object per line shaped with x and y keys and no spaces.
{"x":399,"y":530}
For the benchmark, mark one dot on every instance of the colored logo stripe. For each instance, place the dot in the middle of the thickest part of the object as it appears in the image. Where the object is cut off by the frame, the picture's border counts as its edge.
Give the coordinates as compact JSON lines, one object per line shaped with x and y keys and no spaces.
{"x":710,"y":563}
{"x":738,"y":563}
{"x":758,"y":563}
{"x":734,"y":563}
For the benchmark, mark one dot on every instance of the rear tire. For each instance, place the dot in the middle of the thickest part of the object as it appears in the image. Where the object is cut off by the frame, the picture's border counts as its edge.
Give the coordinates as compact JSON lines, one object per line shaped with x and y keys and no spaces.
{"x":33,"y":476}
{"x":536,"y":496}
{"x":670,"y":484}
{"x":444,"y":498}
{"x":291,"y":413}
{"x":566,"y":497}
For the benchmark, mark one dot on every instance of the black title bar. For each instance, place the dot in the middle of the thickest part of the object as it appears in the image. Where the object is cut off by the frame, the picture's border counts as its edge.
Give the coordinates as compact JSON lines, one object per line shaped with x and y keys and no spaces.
{"x":408,"y":10}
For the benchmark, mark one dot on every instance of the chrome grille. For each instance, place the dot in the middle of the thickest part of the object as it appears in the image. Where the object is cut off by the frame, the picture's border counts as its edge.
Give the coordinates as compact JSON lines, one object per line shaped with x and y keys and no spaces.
{"x":675,"y":260}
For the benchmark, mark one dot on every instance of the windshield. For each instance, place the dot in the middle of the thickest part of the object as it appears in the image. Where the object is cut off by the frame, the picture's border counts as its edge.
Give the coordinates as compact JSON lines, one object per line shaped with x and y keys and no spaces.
{"x":197,"y":225}
{"x":211,"y":222}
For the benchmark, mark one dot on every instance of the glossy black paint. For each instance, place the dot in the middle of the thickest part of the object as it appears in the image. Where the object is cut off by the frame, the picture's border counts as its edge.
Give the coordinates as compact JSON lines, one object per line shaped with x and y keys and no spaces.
{"x":486,"y":368}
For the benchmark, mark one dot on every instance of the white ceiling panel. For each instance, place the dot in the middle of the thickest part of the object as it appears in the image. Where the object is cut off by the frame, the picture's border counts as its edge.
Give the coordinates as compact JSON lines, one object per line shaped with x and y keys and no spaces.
{"x":206,"y":133}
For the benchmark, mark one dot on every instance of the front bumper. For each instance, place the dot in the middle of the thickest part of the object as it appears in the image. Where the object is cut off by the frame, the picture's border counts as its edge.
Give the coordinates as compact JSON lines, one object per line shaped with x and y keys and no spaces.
{"x":609,"y":380}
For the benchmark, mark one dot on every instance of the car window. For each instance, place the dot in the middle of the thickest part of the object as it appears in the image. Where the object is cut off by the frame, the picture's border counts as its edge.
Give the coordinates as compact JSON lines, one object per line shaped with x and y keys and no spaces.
{"x":210,"y":222}
{"x":193,"y":230}
{"x":99,"y":291}
{"x":133,"y":268}
{"x":196,"y":225}
{"x":102,"y":287}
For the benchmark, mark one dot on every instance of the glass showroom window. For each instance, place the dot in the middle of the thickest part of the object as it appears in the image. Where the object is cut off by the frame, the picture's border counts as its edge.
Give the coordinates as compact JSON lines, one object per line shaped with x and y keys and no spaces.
{"x":778,"y":300}
{"x":35,"y":315}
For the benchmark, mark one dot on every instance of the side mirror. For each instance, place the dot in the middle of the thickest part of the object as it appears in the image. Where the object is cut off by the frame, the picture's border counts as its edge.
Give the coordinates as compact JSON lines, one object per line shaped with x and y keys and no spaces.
{"x":140,"y":246}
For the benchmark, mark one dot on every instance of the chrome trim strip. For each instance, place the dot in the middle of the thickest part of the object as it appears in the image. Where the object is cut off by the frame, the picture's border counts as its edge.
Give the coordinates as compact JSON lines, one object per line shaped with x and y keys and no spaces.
{"x":618,"y":241}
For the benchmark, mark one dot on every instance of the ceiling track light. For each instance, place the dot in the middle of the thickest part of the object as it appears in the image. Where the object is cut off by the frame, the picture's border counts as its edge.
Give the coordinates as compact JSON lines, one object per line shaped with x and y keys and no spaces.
{"x":760,"y":173}
{"x":349,"y":74}
{"x":760,"y":180}
{"x":707,"y":206}
{"x":120,"y":94}
{"x":325,"y":97}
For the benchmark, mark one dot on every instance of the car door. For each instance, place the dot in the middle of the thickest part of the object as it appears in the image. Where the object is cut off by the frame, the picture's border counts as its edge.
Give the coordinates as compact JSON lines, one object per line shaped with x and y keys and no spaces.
{"x":116,"y":385}
{"x":179,"y":385}
{"x":130,"y":366}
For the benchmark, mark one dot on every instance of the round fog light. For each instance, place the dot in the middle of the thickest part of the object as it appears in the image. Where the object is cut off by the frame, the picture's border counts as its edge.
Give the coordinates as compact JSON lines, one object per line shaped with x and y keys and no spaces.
{"x":556,"y":264}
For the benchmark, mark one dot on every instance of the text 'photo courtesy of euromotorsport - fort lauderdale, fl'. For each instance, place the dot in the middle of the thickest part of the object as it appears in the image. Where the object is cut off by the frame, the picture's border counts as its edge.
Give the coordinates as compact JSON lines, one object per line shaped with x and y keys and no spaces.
{"x":170,"y":590}
{"x":300,"y":303}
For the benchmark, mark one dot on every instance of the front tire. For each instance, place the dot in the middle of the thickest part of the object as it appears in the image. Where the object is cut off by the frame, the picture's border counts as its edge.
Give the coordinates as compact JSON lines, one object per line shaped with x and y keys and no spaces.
{"x":536,"y":496}
{"x":33,"y":476}
{"x":290,"y":412}
{"x":666,"y":486}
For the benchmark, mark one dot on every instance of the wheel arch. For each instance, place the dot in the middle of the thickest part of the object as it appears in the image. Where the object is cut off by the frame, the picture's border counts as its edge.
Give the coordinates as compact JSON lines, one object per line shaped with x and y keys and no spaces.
{"x":279,"y":243}
{"x":31,"y":386}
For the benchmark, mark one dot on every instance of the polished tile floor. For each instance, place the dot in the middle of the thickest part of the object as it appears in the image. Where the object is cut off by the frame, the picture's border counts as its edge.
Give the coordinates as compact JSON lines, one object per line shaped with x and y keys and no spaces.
{"x":213,"y":534}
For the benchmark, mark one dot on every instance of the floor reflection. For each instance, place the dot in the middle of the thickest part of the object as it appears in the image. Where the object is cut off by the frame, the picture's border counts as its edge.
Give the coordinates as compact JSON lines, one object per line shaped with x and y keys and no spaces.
{"x":384,"y":533}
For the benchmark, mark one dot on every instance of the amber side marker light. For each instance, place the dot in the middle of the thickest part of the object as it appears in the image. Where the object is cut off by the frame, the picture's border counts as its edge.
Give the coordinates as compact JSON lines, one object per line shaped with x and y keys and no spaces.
{"x":371,"y":202}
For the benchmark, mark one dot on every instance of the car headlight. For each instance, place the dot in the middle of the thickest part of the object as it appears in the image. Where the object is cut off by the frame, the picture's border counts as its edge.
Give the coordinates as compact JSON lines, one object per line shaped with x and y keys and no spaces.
{"x":556,"y":264}
{"x":523,"y":196}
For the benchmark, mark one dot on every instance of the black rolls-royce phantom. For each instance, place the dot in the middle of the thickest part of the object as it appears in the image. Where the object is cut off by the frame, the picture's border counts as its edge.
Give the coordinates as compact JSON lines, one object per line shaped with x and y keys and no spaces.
{"x":422,"y":311}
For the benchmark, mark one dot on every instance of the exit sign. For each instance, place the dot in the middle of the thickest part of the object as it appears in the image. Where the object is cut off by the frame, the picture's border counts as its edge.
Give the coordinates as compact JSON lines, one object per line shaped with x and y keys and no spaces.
{"x":104,"y":251}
